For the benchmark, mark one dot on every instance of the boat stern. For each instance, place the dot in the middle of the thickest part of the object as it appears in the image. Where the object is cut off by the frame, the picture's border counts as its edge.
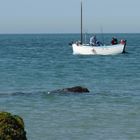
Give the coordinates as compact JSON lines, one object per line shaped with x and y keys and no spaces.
{"x":123,"y":42}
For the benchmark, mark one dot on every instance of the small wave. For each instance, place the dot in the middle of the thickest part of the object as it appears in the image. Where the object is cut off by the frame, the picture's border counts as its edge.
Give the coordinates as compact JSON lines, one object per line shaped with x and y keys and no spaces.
{"x":23,"y":93}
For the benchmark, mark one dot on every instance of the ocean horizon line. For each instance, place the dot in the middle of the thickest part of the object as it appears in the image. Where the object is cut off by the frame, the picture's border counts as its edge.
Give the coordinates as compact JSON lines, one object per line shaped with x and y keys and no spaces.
{"x":63,"y":33}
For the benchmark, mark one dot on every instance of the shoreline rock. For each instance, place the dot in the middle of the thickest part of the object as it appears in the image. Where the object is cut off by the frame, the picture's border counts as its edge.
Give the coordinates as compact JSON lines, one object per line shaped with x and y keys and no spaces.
{"x":11,"y":127}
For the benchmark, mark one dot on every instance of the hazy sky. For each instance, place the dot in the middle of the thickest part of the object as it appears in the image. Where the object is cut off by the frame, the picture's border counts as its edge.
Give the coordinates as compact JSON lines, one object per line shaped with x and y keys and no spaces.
{"x":63,"y":16}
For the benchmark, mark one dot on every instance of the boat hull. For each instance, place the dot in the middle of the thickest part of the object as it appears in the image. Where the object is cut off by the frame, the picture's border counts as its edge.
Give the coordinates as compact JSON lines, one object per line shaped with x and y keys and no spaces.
{"x":97,"y":50}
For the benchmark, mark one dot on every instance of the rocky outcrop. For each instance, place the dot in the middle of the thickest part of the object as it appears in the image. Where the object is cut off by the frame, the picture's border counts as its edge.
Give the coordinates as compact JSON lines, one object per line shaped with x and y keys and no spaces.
{"x":11,"y":127}
{"x":76,"y":89}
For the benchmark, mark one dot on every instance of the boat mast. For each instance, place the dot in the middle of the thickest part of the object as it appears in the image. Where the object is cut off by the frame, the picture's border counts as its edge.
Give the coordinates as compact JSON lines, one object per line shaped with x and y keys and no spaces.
{"x":81,"y":24}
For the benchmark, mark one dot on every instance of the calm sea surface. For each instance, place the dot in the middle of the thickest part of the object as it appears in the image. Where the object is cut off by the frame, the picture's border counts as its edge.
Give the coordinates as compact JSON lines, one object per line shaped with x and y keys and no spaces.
{"x":33,"y":65}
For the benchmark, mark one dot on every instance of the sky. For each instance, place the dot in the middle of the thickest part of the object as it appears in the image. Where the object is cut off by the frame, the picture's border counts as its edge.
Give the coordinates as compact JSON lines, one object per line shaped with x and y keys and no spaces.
{"x":63,"y":16}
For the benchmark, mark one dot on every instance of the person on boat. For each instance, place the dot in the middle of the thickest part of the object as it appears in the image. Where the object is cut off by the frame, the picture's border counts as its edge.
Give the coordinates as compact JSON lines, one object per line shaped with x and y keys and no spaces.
{"x":93,"y":41}
{"x":114,"y":41}
{"x":98,"y":43}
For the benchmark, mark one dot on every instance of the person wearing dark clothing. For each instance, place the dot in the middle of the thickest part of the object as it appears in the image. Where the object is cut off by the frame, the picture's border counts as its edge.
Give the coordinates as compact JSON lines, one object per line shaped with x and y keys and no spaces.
{"x":114,"y":41}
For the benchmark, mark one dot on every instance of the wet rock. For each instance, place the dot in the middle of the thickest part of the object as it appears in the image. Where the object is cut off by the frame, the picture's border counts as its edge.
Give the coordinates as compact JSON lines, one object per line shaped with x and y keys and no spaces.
{"x":11,"y":127}
{"x":76,"y":89}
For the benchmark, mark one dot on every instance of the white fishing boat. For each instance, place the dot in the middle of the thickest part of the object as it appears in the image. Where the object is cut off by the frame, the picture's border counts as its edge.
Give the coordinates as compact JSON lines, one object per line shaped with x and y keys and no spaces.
{"x":86,"y":49}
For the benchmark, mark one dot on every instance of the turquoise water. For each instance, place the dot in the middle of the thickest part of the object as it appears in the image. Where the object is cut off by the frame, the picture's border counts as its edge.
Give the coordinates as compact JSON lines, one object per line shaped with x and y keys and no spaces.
{"x":33,"y":65}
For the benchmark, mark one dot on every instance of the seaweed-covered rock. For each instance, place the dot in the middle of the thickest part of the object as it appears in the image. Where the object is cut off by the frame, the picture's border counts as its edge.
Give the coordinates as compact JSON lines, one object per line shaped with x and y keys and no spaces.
{"x":11,"y":127}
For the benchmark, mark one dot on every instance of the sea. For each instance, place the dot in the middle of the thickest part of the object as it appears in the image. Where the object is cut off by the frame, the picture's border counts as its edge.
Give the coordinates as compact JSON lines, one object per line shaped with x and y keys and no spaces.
{"x":33,"y":65}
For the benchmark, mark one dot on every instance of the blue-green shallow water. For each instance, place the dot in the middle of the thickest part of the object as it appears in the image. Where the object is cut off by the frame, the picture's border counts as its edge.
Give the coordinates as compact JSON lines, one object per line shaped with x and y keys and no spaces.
{"x":33,"y":65}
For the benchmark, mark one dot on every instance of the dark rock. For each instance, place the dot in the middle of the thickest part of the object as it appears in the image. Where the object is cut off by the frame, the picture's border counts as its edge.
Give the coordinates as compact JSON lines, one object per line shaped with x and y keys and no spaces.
{"x":76,"y":89}
{"x":11,"y":127}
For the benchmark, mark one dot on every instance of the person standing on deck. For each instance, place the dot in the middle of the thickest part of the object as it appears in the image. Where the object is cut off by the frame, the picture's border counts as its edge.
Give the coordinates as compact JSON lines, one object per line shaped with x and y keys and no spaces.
{"x":93,"y":40}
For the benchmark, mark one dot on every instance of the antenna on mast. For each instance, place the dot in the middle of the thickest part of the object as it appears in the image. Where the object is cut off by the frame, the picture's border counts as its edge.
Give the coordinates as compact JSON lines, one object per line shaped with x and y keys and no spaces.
{"x":102,"y":34}
{"x":81,"y":24}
